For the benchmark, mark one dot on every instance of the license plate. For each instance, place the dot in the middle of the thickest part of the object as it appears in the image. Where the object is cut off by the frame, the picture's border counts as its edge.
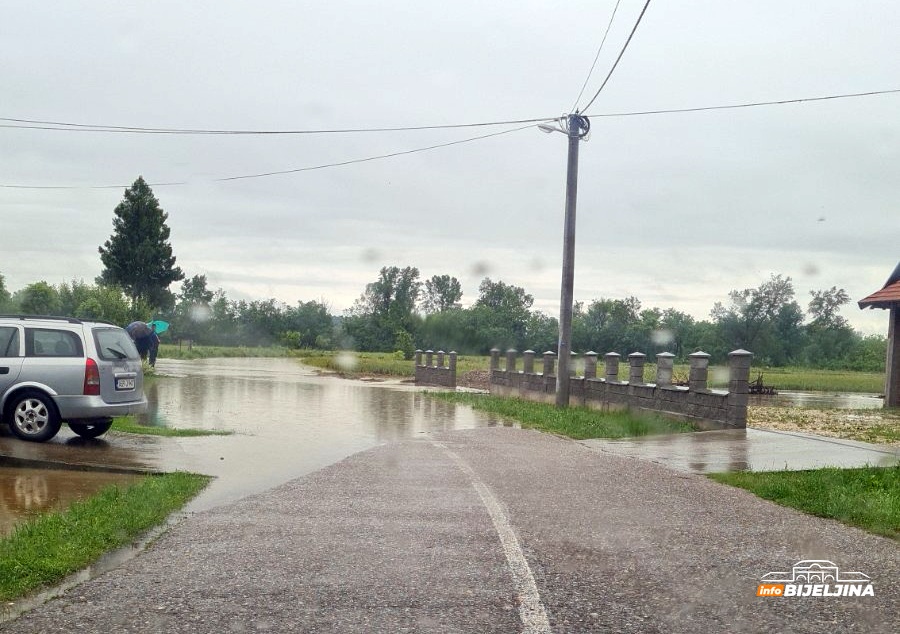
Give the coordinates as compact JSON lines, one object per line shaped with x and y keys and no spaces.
{"x":124,"y":384}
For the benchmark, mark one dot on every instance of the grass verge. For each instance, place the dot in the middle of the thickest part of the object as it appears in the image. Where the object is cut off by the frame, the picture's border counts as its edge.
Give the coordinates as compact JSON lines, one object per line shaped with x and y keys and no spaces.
{"x":45,"y":550}
{"x":128,"y":425}
{"x":575,"y":422}
{"x":868,"y":497}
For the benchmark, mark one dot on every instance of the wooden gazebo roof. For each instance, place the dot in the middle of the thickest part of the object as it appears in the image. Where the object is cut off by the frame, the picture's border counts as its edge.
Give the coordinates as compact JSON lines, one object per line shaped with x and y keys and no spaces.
{"x":888,"y":296}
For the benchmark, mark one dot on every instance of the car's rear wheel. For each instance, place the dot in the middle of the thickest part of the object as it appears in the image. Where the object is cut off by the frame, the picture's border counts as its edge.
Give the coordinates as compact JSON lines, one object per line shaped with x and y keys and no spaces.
{"x":91,"y":429}
{"x":33,"y":417}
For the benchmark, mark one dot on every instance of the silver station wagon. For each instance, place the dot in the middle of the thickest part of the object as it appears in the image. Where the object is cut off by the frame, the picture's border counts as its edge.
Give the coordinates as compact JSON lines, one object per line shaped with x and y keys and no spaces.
{"x":59,"y":369}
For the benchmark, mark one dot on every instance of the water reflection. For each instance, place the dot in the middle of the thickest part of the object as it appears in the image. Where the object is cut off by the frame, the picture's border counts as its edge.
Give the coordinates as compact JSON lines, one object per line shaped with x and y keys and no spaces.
{"x":27,"y":492}
{"x":288,"y":421}
{"x":748,"y":450}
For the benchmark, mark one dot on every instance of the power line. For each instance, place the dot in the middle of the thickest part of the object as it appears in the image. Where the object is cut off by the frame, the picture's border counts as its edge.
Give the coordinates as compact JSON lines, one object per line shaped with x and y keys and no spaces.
{"x":372,"y":158}
{"x":751,"y":104}
{"x":597,"y":56}
{"x":616,"y":63}
{"x":288,"y":171}
{"x":34,"y":124}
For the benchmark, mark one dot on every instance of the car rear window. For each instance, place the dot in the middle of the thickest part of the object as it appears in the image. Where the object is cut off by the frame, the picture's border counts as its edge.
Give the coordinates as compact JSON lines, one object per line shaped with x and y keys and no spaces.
{"x":52,"y":343}
{"x":114,"y":344}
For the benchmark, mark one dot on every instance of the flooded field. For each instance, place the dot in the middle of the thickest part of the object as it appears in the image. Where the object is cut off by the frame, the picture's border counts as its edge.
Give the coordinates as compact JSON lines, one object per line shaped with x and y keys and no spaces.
{"x":821,"y":400}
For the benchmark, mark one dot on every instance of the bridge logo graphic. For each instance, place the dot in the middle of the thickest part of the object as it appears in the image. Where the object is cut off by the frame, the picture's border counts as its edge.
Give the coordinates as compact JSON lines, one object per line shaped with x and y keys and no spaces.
{"x":815,"y":578}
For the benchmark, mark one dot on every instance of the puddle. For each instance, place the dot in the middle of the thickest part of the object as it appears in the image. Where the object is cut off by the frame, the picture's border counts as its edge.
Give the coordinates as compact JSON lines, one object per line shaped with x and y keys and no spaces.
{"x":28,"y":492}
{"x":748,"y":450}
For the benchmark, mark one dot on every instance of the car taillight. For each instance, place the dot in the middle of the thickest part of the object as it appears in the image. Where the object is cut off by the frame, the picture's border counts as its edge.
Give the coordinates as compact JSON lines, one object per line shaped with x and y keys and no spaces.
{"x":91,"y":378}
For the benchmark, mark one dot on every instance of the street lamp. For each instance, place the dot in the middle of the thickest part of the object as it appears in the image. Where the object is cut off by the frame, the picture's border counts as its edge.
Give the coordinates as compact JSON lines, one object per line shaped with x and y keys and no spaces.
{"x":576,"y":128}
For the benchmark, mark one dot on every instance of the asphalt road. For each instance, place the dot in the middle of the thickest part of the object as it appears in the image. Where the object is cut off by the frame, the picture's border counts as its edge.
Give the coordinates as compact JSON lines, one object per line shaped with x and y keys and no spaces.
{"x":481,"y":531}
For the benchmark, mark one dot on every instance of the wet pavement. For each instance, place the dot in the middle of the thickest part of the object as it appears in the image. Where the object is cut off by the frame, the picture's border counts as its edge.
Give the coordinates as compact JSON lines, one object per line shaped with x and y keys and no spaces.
{"x":287,"y":421}
{"x":484,"y":531}
{"x":748,"y":450}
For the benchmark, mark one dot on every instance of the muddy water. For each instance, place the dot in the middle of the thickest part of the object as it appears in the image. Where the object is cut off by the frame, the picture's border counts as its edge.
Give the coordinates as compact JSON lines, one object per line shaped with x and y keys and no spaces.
{"x":28,"y":492}
{"x":286,"y":421}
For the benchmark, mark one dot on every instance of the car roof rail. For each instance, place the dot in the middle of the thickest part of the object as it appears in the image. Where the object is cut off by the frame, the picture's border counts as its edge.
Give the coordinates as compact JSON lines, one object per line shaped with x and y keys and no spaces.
{"x":71,"y":320}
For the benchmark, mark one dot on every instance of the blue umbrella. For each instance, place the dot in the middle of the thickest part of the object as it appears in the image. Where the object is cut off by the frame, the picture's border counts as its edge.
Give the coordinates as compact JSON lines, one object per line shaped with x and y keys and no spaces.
{"x":161,"y":326}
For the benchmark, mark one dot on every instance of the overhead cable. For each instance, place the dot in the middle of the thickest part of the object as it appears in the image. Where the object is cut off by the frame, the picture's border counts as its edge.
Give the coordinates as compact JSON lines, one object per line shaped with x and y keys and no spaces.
{"x":616,"y":63}
{"x":287,"y":171}
{"x":751,"y":104}
{"x":34,"y":124}
{"x":597,"y":56}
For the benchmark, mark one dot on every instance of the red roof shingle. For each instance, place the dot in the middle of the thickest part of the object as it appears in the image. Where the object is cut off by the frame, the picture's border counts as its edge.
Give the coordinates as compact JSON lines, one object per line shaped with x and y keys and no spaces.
{"x":888,"y":296}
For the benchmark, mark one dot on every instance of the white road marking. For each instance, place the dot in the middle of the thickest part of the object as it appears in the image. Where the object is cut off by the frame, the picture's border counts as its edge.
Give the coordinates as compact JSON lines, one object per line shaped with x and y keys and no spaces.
{"x":531,"y":610}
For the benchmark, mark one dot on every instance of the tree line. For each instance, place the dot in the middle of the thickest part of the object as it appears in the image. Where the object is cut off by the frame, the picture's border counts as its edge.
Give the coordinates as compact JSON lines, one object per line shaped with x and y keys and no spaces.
{"x":399,"y":311}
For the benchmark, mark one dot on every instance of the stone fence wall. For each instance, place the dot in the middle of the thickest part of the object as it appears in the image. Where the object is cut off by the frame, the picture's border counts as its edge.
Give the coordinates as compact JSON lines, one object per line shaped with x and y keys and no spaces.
{"x":705,"y":408}
{"x":433,"y":372}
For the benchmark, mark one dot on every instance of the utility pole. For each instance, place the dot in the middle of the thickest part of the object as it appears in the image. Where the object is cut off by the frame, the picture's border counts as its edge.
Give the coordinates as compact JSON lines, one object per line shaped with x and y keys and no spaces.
{"x":577,"y":128}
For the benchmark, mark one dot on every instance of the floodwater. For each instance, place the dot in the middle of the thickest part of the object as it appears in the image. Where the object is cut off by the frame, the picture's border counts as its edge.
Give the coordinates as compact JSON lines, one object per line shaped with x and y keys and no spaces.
{"x":28,"y":492}
{"x":821,"y":400}
{"x":748,"y":450}
{"x":286,"y":420}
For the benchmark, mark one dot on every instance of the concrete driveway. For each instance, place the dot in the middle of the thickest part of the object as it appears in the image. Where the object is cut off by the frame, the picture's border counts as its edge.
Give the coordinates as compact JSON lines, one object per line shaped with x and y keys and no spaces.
{"x":487,"y":530}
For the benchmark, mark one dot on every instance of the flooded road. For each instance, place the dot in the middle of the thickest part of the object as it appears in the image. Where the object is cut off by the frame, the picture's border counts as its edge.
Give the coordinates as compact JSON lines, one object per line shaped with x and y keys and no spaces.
{"x":287,"y":422}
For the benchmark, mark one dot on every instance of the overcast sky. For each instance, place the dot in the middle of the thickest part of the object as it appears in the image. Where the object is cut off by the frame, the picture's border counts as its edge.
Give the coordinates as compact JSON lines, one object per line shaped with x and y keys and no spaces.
{"x":675,"y":209}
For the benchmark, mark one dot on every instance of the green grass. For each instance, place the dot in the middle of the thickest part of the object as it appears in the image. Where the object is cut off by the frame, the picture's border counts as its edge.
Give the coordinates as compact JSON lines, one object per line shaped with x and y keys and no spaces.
{"x":574,"y":422}
{"x":173,"y":351}
{"x":806,"y":379}
{"x":48,"y":548}
{"x":380,"y":363}
{"x":868,"y":498}
{"x":128,"y":425}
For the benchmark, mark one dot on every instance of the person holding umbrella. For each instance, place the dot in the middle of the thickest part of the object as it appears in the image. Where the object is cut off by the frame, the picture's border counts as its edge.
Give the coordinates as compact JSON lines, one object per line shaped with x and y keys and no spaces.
{"x":141,"y":335}
{"x":146,"y":337}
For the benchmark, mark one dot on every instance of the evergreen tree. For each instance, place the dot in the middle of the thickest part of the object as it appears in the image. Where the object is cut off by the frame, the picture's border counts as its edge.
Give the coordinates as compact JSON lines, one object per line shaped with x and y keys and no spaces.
{"x":138,"y":256}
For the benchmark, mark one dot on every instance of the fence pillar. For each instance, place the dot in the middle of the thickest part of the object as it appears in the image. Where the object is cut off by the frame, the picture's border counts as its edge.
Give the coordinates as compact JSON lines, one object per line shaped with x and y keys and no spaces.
{"x":440,"y":358}
{"x":495,"y":358}
{"x":549,"y":359}
{"x":590,"y":365}
{"x":452,"y":370}
{"x":611,"y":360}
{"x":636,"y":362}
{"x":665,"y":364}
{"x":429,"y":357}
{"x":511,"y":359}
{"x":738,"y":387}
{"x":418,"y":357}
{"x":528,"y":362}
{"x":699,"y":373}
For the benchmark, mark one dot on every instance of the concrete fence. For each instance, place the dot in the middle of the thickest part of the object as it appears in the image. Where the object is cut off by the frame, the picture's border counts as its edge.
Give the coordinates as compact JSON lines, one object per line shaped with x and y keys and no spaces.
{"x":430,"y":369}
{"x":696,"y":403}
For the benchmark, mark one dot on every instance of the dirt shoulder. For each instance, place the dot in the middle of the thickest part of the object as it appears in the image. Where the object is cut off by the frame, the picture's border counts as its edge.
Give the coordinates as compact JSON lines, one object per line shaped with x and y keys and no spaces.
{"x":866,"y":425}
